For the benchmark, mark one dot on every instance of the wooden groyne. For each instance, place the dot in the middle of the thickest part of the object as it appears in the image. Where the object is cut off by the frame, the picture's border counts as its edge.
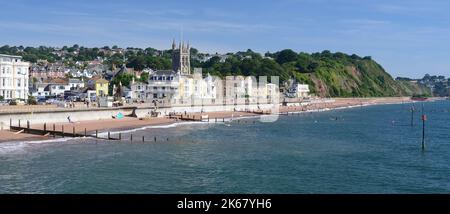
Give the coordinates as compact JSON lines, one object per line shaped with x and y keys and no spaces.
{"x":51,"y":131}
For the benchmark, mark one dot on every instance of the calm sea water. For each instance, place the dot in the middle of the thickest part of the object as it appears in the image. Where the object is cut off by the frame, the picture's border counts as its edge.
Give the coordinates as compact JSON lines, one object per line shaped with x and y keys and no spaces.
{"x":361,"y":152}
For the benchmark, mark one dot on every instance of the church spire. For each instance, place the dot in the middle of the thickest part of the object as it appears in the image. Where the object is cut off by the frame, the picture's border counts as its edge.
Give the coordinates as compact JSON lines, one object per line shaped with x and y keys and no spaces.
{"x":173,"y":44}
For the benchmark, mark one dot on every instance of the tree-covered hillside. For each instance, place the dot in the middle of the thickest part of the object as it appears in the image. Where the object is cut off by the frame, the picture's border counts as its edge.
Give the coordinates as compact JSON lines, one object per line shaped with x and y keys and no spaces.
{"x":328,"y":74}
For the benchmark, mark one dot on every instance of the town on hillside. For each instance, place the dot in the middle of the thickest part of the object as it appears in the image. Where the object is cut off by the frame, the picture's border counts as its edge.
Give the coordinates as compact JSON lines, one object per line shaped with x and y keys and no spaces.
{"x":107,"y":81}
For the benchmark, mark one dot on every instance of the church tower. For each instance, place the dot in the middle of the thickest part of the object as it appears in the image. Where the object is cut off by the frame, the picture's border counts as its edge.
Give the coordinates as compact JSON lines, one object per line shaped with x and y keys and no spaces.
{"x":181,"y":58}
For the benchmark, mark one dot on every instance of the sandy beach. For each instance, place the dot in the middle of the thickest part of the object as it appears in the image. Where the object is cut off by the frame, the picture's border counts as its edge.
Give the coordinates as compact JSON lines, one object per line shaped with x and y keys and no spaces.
{"x":91,"y":126}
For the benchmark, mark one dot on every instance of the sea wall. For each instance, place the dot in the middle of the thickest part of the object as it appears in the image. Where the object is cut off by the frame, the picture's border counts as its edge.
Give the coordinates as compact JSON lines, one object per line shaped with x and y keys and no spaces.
{"x":58,"y":116}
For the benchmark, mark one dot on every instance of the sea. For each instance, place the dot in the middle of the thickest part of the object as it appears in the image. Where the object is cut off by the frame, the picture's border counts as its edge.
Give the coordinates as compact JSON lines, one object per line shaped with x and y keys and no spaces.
{"x":364,"y":149}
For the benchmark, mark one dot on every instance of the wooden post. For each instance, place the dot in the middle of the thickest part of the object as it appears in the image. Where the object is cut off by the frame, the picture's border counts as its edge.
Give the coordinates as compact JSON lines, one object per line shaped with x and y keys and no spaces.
{"x":216,"y":119}
{"x":223,"y":119}
{"x":109,"y":135}
{"x":424,"y":118}
{"x":85,"y":132}
{"x":73,"y":130}
{"x":96,"y":133}
{"x":28,"y":126}
{"x":143,"y":139}
{"x":62,"y":127}
{"x":131,"y":137}
{"x":10,"y":123}
{"x":19,"y":123}
{"x":154,"y":138}
{"x":45,"y":127}
{"x":120,"y":136}
{"x":54,"y":131}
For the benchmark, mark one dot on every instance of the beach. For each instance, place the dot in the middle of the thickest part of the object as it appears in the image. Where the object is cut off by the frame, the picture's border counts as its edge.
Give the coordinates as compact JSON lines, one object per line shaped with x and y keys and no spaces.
{"x":90,"y":127}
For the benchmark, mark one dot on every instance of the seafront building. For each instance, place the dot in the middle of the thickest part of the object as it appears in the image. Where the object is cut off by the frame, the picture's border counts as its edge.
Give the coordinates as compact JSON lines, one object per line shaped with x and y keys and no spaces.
{"x":13,"y":77}
{"x":177,"y":86}
{"x":180,"y":86}
{"x":101,"y":87}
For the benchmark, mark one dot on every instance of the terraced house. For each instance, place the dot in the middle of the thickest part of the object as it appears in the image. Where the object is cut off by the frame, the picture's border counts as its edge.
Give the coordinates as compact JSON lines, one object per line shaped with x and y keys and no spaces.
{"x":13,"y":77}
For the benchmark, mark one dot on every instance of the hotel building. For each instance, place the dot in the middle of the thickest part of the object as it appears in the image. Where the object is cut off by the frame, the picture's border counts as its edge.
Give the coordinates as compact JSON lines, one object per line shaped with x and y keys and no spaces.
{"x":13,"y":77}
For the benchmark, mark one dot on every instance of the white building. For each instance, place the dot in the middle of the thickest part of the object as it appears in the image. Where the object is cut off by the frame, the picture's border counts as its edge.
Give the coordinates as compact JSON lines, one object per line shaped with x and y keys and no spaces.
{"x":13,"y":77}
{"x":76,"y":84}
{"x":58,"y":89}
{"x":235,"y":89}
{"x":138,"y":91}
{"x":39,"y":91}
{"x":302,"y":90}
{"x":272,"y":94}
{"x":162,"y":85}
{"x":214,"y":87}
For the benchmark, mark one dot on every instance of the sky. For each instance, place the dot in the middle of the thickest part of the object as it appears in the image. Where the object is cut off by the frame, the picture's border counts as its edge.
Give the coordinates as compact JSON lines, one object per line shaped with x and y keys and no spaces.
{"x":408,"y":38}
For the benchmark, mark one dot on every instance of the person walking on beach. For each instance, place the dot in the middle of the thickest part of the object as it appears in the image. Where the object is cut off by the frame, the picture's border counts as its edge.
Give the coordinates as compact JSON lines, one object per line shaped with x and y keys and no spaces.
{"x":68,"y":118}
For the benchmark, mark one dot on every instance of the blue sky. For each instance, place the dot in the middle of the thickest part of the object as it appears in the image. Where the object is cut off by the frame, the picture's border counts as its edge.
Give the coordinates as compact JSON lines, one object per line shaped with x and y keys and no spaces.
{"x":408,"y":38}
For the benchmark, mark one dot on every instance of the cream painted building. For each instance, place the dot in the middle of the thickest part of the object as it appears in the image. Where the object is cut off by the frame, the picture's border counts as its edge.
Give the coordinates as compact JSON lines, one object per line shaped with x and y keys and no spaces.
{"x":13,"y":77}
{"x":303,"y":90}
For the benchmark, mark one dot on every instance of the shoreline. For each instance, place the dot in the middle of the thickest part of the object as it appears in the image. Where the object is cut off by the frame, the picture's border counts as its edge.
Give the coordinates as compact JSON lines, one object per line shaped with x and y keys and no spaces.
{"x":127,"y":124}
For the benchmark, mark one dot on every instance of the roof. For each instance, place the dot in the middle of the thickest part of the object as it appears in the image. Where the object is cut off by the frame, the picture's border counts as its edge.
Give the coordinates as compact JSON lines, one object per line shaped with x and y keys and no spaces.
{"x":58,"y":81}
{"x":101,"y":81}
{"x":10,"y":56}
{"x":75,"y":81}
{"x":163,"y":72}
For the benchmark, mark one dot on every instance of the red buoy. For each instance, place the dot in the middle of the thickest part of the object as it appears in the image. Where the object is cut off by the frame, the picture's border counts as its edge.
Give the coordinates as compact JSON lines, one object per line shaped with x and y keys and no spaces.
{"x":424,"y":117}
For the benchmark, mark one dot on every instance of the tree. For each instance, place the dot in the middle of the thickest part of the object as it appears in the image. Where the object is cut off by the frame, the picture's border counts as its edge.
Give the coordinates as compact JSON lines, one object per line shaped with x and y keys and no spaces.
{"x":123,"y":78}
{"x":144,"y":77}
{"x":2,"y":98}
{"x":137,"y":62}
{"x":31,"y":100}
{"x":286,"y":55}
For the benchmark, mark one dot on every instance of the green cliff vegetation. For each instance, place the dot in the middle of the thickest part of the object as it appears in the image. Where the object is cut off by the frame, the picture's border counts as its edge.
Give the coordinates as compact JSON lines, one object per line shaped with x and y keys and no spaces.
{"x":328,"y":74}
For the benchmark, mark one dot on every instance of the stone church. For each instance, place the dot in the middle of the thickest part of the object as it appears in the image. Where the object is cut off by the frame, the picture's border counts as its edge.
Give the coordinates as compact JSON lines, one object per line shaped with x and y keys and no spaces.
{"x":181,"y":58}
